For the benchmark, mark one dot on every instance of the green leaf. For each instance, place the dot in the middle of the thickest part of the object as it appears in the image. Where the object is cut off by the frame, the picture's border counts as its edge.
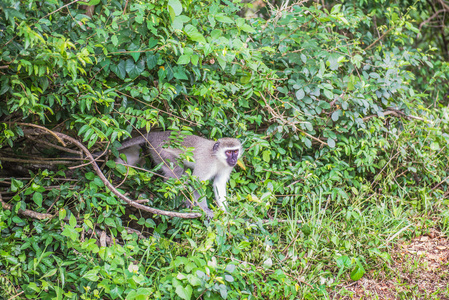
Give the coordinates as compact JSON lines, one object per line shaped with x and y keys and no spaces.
{"x":194,"y":34}
{"x":223,"y":18}
{"x":336,"y":115}
{"x":33,"y":286}
{"x":333,"y":61}
{"x":343,"y":261}
{"x":247,"y":28}
{"x":266,"y":155}
{"x":300,"y":94}
{"x":110,"y":222}
{"x":207,"y":49}
{"x":193,"y":280}
{"x":335,"y":9}
{"x":358,"y":272}
{"x":152,"y":42}
{"x":328,"y":94}
{"x":177,"y":24}
{"x":62,"y":214}
{"x":16,"y":185}
{"x":194,"y":59}
{"x":357,"y":60}
{"x":230,"y":268}
{"x":140,"y":293}
{"x":133,"y":49}
{"x":117,"y":291}
{"x":134,"y":69}
{"x":50,"y":273}
{"x":70,"y":232}
{"x":72,"y":220}
{"x":89,"y":3}
{"x":184,"y":293}
{"x":151,"y":61}
{"x":120,"y":69}
{"x":183,"y":59}
{"x":114,"y":40}
{"x":91,"y":275}
{"x":37,"y":198}
{"x":176,"y":6}
{"x":180,"y":74}
{"x":89,"y":223}
{"x":307,"y":142}
{"x":268,"y":263}
{"x":435,"y":146}
{"x":17,"y":220}
{"x":221,"y":61}
{"x":322,"y":69}
{"x":223,"y":291}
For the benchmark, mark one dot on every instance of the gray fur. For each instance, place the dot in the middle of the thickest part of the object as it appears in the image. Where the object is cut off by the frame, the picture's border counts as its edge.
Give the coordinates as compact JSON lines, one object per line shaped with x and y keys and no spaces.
{"x":210,"y":160}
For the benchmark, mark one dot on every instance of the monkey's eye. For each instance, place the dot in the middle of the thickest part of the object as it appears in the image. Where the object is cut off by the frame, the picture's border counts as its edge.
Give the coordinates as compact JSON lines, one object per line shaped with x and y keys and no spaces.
{"x":228,"y":152}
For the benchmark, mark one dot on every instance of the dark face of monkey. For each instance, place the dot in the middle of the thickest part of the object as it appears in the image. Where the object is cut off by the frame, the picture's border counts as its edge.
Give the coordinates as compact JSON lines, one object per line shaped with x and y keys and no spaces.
{"x":232,"y":156}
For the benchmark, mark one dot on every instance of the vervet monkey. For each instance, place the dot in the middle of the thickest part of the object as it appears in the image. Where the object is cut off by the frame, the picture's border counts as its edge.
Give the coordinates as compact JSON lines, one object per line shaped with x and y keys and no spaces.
{"x":212,"y":159}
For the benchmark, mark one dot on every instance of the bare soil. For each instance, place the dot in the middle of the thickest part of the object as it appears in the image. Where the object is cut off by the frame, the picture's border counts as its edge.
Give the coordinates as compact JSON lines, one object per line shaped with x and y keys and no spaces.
{"x":419,"y":270}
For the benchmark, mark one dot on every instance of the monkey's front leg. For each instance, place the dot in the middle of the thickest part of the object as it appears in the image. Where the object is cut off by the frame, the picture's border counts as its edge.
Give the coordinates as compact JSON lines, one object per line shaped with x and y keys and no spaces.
{"x":203,"y":205}
{"x":220,"y":191}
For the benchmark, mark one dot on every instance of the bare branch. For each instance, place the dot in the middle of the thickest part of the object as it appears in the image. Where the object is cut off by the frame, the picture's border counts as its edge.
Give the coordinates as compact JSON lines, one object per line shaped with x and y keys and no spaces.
{"x":26,"y":212}
{"x":89,"y":156}
{"x":44,"y":129}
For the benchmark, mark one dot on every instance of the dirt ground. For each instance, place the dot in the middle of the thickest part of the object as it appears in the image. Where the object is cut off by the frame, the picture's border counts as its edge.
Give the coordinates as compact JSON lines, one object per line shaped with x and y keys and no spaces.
{"x":419,"y":270}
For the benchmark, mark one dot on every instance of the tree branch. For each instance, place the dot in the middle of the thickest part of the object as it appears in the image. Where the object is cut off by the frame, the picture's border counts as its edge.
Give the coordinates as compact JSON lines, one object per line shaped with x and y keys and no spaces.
{"x":26,"y":212}
{"x":89,"y":156}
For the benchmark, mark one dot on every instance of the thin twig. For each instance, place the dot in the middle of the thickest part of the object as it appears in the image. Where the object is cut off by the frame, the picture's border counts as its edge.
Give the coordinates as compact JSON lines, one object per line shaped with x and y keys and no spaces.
{"x":439,"y":183}
{"x":62,"y":7}
{"x":16,"y":295}
{"x":86,"y":164}
{"x":380,"y":38}
{"x":124,"y":179}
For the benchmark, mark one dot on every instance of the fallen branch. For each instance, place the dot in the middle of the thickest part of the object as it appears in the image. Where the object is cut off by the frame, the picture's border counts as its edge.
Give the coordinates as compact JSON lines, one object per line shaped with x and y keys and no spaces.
{"x":26,"y":212}
{"x":41,"y":216}
{"x":100,"y":174}
{"x":36,"y":161}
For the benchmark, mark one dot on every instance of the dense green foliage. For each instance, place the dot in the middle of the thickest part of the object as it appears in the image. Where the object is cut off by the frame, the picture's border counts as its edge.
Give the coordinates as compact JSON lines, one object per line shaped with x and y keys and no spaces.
{"x":343,"y":130}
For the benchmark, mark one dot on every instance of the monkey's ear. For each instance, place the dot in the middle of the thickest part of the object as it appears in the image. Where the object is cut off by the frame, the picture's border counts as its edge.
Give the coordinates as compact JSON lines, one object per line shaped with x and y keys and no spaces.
{"x":216,"y":145}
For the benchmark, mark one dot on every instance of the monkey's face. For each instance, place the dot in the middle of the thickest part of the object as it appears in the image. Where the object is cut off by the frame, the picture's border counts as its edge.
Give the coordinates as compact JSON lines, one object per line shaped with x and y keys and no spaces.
{"x":231,"y":157}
